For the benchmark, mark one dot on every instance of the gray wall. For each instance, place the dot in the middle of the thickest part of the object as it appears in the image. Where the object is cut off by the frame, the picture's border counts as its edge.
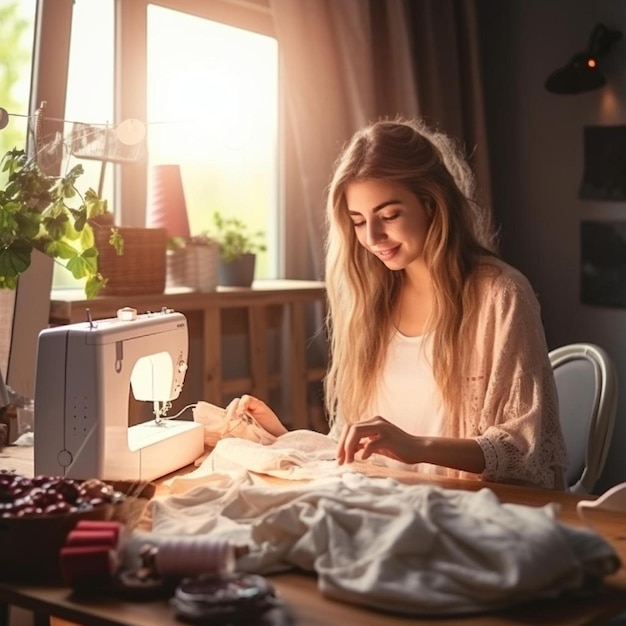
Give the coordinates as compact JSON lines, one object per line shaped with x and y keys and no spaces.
{"x":536,"y":143}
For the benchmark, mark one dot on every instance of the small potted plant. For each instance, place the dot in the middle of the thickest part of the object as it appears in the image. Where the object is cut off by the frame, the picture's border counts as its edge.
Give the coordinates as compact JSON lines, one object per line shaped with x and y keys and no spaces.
{"x":193,"y":262}
{"x":238,"y":247}
{"x":36,"y":214}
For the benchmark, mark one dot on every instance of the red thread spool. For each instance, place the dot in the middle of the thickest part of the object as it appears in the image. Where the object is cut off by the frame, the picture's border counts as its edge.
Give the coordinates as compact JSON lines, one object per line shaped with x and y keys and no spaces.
{"x":84,"y":566}
{"x":90,"y":554}
{"x":96,"y":524}
{"x":106,"y":538}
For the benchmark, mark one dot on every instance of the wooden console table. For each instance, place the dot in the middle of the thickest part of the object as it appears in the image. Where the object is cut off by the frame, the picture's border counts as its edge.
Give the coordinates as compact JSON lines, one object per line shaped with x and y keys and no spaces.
{"x":260,"y":302}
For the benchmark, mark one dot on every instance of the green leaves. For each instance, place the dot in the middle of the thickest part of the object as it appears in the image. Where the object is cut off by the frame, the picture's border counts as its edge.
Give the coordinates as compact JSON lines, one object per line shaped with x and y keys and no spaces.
{"x":93,"y":285}
{"x":234,"y":238}
{"x":117,"y":241}
{"x":38,"y":211}
{"x":15,"y":259}
{"x":84,"y":264}
{"x":94,"y":206}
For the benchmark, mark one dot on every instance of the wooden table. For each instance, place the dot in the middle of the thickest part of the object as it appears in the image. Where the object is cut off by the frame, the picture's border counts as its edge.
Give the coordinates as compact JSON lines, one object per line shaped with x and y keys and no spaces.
{"x":310,"y":608}
{"x":216,"y":309}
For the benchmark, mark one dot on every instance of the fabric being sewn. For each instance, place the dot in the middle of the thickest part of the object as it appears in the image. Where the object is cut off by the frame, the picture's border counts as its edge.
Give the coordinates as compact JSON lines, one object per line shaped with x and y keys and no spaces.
{"x":296,"y":455}
{"x":413,"y":549}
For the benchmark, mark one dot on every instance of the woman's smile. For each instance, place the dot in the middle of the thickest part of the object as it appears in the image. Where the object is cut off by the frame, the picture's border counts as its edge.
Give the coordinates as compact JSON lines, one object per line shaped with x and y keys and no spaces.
{"x":388,"y":253}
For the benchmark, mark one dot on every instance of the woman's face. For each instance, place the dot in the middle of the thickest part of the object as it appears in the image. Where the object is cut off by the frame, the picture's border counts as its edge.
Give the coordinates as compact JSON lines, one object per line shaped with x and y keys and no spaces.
{"x":389,"y":221}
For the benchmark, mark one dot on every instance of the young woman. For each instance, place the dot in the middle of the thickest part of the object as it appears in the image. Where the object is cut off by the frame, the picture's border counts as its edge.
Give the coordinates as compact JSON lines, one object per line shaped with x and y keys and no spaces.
{"x":438,"y":353}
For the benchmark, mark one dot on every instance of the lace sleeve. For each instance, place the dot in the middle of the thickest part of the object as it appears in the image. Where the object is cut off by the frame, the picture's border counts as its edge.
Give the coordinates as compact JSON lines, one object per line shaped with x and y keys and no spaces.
{"x":515,"y":415}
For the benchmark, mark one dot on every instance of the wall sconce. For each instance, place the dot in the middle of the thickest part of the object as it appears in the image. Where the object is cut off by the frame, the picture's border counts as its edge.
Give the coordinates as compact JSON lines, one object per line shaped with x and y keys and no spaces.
{"x":582,"y":73}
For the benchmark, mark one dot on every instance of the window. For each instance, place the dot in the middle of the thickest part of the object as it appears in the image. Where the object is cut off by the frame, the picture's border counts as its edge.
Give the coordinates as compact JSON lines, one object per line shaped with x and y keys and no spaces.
{"x":203,"y":76}
{"x":17,"y":24}
{"x":90,"y":82}
{"x":212,"y":100}
{"x":89,"y":99}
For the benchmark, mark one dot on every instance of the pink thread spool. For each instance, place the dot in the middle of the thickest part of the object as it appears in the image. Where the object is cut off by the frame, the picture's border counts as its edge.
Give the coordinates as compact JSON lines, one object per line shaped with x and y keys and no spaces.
{"x":191,"y":556}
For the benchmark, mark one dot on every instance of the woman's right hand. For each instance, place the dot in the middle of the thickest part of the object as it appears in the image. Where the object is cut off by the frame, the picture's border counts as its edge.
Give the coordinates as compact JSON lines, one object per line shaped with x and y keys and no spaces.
{"x":257,"y":409}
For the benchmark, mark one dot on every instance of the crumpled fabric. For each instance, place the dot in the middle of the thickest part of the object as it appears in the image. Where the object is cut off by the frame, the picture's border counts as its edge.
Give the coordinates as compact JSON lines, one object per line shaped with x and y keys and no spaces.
{"x":412,"y":549}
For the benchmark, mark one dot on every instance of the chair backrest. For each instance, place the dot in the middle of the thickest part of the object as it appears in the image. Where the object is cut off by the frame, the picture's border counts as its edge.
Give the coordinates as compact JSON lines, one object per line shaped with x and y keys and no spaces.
{"x":586,"y":382}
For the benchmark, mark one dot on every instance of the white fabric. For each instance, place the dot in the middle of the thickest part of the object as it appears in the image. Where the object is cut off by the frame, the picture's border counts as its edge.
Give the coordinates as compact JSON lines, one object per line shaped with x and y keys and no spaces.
{"x":296,"y":455}
{"x":218,"y":424}
{"x":415,"y":549}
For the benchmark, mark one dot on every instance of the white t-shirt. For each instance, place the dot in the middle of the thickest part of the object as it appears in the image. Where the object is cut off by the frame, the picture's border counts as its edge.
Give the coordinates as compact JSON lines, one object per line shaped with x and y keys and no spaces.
{"x":407,"y":394}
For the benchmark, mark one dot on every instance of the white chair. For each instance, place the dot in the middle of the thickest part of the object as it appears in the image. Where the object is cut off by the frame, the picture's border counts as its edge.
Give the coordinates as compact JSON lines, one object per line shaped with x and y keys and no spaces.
{"x":586,"y":382}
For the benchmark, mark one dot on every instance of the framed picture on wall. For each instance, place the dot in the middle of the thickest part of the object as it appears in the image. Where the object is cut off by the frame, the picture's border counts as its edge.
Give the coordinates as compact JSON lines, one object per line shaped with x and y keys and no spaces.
{"x":604,"y":175}
{"x":603,"y":263}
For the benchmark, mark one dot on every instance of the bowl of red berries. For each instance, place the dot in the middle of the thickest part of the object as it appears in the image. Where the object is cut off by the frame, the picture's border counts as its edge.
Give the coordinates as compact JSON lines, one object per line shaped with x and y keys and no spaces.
{"x":37,"y":513}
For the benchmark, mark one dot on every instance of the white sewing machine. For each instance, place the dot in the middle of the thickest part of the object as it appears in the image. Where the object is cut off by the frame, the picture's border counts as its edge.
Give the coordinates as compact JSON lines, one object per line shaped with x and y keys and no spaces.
{"x":85,"y":372}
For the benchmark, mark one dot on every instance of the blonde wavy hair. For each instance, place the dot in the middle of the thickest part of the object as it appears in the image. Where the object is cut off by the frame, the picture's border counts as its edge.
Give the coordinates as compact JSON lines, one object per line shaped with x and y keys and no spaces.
{"x":362,"y":291}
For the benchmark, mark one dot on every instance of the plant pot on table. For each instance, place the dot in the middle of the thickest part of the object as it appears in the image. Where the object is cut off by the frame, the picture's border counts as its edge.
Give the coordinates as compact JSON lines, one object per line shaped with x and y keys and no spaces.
{"x":238,"y":272}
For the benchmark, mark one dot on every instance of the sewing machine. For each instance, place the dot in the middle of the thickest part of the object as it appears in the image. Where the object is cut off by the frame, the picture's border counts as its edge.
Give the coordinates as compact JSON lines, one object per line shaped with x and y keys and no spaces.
{"x":84,"y":375}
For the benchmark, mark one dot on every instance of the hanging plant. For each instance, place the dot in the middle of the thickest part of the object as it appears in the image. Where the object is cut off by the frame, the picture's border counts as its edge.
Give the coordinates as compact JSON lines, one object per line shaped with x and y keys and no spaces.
{"x":37,"y":213}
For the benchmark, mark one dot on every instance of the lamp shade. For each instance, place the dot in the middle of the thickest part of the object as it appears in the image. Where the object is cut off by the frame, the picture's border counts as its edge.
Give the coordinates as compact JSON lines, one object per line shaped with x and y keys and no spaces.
{"x":583,"y":73}
{"x":166,"y":201}
{"x":579,"y":75}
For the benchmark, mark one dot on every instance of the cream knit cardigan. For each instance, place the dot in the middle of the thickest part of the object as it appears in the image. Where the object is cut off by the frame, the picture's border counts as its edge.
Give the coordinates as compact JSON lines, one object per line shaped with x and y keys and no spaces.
{"x":509,"y":400}
{"x":509,"y":403}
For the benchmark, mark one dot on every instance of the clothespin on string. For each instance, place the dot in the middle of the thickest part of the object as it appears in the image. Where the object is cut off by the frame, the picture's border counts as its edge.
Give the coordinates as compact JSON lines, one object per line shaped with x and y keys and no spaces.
{"x":120,"y":143}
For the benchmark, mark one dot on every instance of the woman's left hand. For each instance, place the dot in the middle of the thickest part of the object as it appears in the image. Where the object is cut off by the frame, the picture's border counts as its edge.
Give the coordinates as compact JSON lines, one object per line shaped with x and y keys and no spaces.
{"x":377,"y":435}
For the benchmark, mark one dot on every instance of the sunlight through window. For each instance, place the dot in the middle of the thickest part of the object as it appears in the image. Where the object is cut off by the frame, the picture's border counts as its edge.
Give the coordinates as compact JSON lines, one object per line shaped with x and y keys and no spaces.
{"x":213,"y":109}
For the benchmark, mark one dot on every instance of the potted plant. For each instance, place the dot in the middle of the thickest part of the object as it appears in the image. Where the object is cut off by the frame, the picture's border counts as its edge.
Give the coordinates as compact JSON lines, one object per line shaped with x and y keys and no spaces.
{"x":36,"y":213}
{"x":193,"y":262}
{"x":238,"y":247}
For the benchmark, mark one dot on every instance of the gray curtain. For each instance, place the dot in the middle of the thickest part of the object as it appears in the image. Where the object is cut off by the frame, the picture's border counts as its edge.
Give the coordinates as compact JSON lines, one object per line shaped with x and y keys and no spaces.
{"x":347,"y":62}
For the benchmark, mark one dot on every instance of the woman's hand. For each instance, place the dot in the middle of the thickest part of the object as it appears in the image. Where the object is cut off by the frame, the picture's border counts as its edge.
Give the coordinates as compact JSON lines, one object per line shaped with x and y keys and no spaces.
{"x":257,"y":409}
{"x":377,"y":435}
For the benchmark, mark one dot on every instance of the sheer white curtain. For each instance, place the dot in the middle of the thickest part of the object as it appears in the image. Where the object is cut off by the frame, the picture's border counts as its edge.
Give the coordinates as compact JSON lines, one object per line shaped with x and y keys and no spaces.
{"x":348,"y":62}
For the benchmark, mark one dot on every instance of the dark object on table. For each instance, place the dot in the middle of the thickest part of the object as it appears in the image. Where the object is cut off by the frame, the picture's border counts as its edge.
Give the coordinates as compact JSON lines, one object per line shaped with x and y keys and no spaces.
{"x":227,"y":599}
{"x":32,"y":536}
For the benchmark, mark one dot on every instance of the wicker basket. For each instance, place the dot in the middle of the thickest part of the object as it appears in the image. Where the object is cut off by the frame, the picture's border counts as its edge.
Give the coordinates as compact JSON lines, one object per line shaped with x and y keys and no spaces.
{"x":141,"y":269}
{"x":194,"y":266}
